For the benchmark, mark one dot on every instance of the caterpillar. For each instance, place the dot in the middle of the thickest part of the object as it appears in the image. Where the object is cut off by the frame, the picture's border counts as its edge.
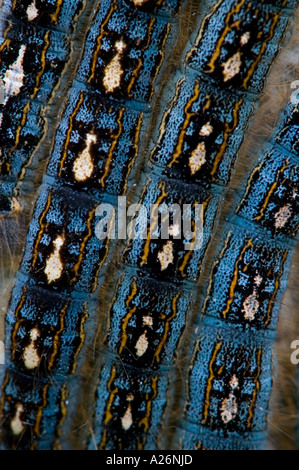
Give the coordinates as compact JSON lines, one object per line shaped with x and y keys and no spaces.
{"x":35,"y":49}
{"x":214,"y":94}
{"x":52,"y":312}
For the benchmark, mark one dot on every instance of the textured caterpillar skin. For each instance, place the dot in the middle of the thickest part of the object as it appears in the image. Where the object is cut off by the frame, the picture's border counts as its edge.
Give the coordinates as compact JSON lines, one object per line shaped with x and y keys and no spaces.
{"x":196,"y":142}
{"x":253,"y":265}
{"x":186,"y":263}
{"x":154,"y":314}
{"x":52,"y":317}
{"x":35,"y":48}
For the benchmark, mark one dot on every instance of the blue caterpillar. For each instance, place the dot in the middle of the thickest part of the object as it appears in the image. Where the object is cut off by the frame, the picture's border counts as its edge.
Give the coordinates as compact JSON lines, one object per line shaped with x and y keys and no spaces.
{"x":230,"y":378}
{"x":35,"y":49}
{"x":52,"y":313}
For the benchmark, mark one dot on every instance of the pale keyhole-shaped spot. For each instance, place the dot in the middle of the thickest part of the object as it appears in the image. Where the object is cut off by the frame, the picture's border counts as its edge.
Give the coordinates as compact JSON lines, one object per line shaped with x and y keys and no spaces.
{"x":127,"y":419}
{"x":232,"y":67}
{"x":14,"y":76}
{"x":30,"y":356}
{"x":197,"y":158}
{"x":141,"y":345}
{"x":281,"y":217}
{"x":113,"y":71}
{"x":54,"y":266}
{"x":83,"y":165}
{"x":16,"y":424}
{"x":32,"y":11}
{"x":166,"y":255}
{"x":250,"y":306}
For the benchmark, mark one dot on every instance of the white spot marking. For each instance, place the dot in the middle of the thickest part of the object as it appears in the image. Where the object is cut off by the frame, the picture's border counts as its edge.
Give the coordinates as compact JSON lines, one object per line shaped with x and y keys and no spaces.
{"x":251,"y":305}
{"x":147,"y":321}
{"x":166,"y":255}
{"x":32,"y":11}
{"x":229,"y":408}
{"x":16,"y":424}
{"x":282,"y":216}
{"x":14,"y":76}
{"x":206,"y":130}
{"x":244,"y":38}
{"x":141,"y":345}
{"x":138,"y":3}
{"x":30,"y":355}
{"x":83,"y":165}
{"x":54,"y":265}
{"x":127,"y":419}
{"x":198,"y":158}
{"x":258,"y":280}
{"x":232,"y":67}
{"x":234,"y":383}
{"x":174,"y":230}
{"x":114,"y":71}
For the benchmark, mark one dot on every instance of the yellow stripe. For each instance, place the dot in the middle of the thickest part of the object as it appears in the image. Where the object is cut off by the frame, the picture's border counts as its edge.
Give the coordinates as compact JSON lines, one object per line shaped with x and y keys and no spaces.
{"x":189,"y":252}
{"x":132,"y":160}
{"x":128,"y":316}
{"x":210,"y":381}
{"x":54,"y":16}
{"x":252,"y":68}
{"x":108,"y":415}
{"x":162,"y":54}
{"x":40,"y":411}
{"x":96,"y":52}
{"x":82,"y":337}
{"x":56,"y":337}
{"x":145,"y":421}
{"x":69,"y":131}
{"x":227,"y":29}
{"x":273,"y":187}
{"x":140,"y":60}
{"x":227,"y":131}
{"x":277,"y":284}
{"x":83,"y":244}
{"x":166,"y":328}
{"x":150,"y":230}
{"x":235,"y":279}
{"x":17,"y":324}
{"x":63,"y":410}
{"x":115,"y":138}
{"x":33,"y":95}
{"x":185,"y":125}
